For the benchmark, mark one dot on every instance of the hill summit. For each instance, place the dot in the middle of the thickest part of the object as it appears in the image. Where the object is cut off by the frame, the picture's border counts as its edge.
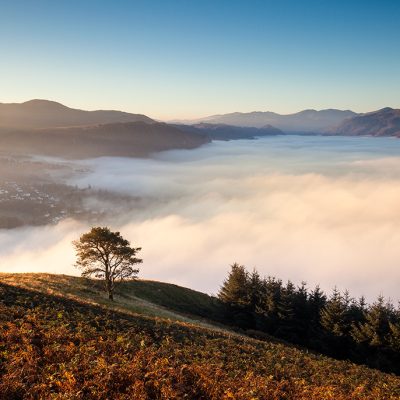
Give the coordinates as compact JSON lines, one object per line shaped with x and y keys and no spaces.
{"x":40,"y":113}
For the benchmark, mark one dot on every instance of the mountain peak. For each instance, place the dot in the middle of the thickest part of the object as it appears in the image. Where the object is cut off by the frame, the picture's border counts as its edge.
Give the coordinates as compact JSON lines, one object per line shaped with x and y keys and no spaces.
{"x":385,"y":109}
{"x":42,"y":103}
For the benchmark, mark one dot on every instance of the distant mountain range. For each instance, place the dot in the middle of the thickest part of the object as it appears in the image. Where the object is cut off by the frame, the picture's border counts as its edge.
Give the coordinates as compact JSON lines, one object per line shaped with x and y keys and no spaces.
{"x":385,"y":122}
{"x":50,"y":128}
{"x":302,"y":122}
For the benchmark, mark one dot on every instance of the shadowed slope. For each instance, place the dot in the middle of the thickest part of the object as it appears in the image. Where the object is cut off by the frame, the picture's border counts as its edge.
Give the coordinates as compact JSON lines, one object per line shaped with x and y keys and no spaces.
{"x":133,"y":139}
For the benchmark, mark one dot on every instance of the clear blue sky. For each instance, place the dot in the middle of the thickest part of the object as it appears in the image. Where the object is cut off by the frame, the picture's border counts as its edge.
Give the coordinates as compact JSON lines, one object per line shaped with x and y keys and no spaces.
{"x":183,"y":59}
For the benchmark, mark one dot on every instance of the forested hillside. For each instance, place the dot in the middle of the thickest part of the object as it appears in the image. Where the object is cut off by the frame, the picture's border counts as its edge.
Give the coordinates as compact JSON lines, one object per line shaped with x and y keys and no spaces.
{"x":337,"y":325}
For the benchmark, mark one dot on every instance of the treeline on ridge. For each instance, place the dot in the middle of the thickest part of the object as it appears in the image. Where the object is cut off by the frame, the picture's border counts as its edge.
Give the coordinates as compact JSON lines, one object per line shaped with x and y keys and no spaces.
{"x":337,"y":325}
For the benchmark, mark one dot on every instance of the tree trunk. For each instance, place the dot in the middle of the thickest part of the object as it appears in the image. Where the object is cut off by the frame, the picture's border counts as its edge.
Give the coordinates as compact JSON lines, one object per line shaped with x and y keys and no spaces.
{"x":110,"y":289}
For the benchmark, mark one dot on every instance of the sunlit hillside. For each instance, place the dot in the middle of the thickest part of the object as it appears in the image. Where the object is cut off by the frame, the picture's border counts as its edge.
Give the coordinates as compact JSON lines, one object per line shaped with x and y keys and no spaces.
{"x":151,"y":298}
{"x":54,"y":345}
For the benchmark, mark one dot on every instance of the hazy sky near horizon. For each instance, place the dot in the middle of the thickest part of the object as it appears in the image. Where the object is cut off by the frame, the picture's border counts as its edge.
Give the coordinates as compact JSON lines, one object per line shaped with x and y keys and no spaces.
{"x":185,"y":59}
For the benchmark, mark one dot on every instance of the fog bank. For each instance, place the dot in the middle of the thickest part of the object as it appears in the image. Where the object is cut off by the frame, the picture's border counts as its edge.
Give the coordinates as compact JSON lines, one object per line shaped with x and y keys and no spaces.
{"x":323,"y":210}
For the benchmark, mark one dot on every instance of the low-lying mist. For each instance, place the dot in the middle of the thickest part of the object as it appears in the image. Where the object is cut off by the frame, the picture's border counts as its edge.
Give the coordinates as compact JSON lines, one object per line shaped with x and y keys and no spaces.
{"x":320,"y":209}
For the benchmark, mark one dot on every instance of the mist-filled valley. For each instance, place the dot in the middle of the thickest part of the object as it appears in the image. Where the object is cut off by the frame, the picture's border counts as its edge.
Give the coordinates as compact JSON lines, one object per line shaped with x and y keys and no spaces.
{"x":200,"y":200}
{"x":318,"y":209}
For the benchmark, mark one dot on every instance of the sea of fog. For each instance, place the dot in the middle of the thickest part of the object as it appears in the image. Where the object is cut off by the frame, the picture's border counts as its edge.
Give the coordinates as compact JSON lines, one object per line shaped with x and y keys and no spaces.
{"x":325,"y":210}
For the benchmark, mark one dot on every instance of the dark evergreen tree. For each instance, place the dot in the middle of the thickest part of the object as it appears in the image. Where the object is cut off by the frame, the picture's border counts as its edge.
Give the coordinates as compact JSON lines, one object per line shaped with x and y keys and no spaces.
{"x":333,"y":315}
{"x":302,"y":319}
{"x":272,"y":292}
{"x":316,"y":301}
{"x":255,"y":291}
{"x":286,"y":314}
{"x":394,"y":336}
{"x":235,"y":289}
{"x":375,"y":330}
{"x":358,"y":310}
{"x":234,"y":293}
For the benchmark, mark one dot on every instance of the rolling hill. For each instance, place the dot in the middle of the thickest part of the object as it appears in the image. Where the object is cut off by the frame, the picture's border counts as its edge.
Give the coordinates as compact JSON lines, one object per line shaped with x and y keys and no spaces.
{"x":60,"y":338}
{"x":35,"y":114}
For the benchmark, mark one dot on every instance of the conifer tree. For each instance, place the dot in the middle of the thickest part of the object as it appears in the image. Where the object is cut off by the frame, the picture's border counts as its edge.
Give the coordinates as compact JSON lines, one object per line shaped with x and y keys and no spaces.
{"x":333,"y":315}
{"x":235,"y":289}
{"x":357,"y":311}
{"x":317,"y":301}
{"x":272,"y":292}
{"x":285,"y":302}
{"x":255,"y":291}
{"x":302,"y":314}
{"x":394,"y":336}
{"x":375,"y":330}
{"x":285,"y":312}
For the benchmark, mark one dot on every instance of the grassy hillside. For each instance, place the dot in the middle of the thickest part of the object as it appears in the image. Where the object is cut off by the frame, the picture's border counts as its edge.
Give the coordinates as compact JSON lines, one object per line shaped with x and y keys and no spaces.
{"x":151,"y":298}
{"x":53,"y":346}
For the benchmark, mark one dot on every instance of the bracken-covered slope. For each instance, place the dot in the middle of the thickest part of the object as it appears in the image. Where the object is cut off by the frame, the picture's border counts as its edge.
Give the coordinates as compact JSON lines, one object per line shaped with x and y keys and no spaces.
{"x":52,"y":346}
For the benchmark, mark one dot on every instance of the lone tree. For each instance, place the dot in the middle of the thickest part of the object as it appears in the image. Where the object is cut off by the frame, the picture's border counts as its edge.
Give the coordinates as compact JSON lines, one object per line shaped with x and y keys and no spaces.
{"x":106,"y":255}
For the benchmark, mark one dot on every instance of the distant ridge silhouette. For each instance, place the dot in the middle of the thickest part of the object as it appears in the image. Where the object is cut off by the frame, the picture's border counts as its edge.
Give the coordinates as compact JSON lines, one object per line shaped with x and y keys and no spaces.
{"x":303,"y":121}
{"x":50,"y":114}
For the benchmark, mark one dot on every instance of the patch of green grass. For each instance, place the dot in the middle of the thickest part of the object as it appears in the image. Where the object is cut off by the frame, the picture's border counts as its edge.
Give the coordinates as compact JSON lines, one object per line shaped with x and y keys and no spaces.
{"x":174,"y":297}
{"x":155,"y":299}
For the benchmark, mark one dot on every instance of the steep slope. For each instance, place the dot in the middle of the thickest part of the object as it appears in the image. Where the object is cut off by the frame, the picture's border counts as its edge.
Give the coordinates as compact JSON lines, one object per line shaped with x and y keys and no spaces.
{"x":230,"y":132}
{"x":57,"y":347}
{"x":121,"y":139}
{"x":384,"y":122}
{"x":301,"y":122}
{"x":46,"y":114}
